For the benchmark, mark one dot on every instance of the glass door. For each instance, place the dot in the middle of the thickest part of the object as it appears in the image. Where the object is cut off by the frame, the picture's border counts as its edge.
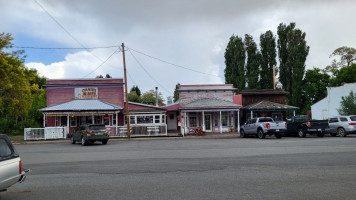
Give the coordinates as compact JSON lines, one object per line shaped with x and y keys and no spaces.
{"x":208,"y":122}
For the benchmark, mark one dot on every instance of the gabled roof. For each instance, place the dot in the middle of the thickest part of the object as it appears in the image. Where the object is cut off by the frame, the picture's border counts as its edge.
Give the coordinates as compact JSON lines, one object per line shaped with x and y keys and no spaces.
{"x":82,"y":105}
{"x":269,"y":106}
{"x":173,"y":107}
{"x":210,"y":104}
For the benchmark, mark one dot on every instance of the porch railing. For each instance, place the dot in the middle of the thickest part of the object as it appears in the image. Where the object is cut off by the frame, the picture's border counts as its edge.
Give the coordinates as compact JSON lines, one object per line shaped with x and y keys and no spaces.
{"x":45,"y":133}
{"x":138,"y":130}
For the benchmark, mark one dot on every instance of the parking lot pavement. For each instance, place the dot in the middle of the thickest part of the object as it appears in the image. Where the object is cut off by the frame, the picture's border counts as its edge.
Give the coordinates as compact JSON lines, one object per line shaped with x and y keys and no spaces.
{"x":195,"y":168}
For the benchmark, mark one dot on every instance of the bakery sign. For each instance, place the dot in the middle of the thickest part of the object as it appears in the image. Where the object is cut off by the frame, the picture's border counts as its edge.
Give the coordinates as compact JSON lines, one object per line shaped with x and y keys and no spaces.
{"x":86,"y":93}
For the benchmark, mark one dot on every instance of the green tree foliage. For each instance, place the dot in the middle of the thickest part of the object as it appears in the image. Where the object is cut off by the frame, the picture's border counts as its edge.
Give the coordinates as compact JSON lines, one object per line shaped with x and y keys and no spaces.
{"x":268,"y":59}
{"x":293,"y":52}
{"x":133,"y":97}
{"x":314,"y":88}
{"x":347,"y":54}
{"x":149,"y":98}
{"x":20,"y":89}
{"x":253,"y":63}
{"x":235,"y":63}
{"x":136,"y":89}
{"x":346,"y":74}
{"x":348,"y":105}
{"x":176,"y":93}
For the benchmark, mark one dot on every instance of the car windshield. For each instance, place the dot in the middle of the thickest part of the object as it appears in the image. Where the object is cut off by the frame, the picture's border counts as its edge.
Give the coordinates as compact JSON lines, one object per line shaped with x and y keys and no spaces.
{"x":97,"y":127}
{"x":353,"y":118}
{"x":266,"y":120}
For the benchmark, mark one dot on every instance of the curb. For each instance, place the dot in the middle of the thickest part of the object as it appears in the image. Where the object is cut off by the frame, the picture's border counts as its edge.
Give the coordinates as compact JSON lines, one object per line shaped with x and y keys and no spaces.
{"x":223,"y":136}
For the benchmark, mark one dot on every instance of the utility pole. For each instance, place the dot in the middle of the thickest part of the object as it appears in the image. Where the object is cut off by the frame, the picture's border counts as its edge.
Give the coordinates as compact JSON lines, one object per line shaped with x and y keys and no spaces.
{"x":126,"y":95}
{"x":274,"y":77}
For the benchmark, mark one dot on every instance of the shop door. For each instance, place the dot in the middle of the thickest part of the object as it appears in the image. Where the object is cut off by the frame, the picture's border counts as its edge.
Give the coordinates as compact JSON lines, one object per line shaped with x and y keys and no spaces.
{"x":208,"y":122}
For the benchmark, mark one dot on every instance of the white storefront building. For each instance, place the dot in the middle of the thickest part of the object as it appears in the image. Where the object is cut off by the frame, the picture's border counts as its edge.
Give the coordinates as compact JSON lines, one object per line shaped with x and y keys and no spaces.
{"x":328,"y":106}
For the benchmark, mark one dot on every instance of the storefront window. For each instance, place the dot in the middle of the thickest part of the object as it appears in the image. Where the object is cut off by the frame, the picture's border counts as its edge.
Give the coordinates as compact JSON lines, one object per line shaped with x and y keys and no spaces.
{"x":83,"y":120}
{"x":224,"y":119}
{"x":114,"y":119}
{"x":216,"y":119}
{"x":193,"y":121}
{"x":144,"y":119}
{"x":63,"y":121}
{"x":132,"y":120}
{"x":98,"y":119}
{"x":157,"y":119}
{"x":73,"y":121}
{"x":90,"y":120}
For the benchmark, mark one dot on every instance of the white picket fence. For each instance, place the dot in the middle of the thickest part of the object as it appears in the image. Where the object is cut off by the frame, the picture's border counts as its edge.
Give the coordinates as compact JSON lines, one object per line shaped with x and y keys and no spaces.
{"x":45,"y":133}
{"x":138,"y":130}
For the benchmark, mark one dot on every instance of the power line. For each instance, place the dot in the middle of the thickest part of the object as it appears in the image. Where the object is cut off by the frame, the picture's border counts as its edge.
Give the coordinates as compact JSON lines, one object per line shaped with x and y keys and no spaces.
{"x":117,"y":50}
{"x":64,"y":48}
{"x":148,"y":73}
{"x":172,"y":63}
{"x":60,"y":25}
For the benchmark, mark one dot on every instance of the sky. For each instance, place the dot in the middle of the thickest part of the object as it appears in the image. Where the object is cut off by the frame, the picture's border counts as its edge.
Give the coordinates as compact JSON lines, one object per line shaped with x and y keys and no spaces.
{"x":166,"y":42}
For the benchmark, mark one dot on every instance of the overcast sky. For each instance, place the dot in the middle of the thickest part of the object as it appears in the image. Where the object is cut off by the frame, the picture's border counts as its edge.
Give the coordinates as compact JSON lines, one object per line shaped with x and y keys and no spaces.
{"x":189,"y":34}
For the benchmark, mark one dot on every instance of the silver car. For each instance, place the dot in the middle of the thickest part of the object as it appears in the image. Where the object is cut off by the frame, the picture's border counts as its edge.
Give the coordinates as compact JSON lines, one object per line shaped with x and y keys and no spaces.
{"x":342,"y":125}
{"x":11,"y":170}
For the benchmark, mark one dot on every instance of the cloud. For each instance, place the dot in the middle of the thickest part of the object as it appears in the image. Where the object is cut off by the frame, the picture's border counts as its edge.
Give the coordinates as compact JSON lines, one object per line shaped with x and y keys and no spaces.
{"x":192,"y":34}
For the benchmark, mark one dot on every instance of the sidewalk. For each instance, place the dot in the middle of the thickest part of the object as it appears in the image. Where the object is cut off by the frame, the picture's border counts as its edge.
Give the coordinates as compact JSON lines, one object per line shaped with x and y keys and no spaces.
{"x":20,"y":139}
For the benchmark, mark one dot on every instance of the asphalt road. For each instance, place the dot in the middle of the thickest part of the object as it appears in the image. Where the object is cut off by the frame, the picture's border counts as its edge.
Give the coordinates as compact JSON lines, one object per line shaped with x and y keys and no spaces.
{"x":169,"y":169}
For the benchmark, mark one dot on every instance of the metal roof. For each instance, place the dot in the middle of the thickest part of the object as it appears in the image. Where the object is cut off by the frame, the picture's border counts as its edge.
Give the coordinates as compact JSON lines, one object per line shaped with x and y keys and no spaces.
{"x":82,"y":105}
{"x":269,"y":106}
{"x":209,"y":104}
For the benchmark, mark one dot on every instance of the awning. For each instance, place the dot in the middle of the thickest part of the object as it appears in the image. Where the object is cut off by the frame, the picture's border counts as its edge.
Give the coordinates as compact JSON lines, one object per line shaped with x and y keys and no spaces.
{"x":82,"y":106}
{"x":269,"y":106}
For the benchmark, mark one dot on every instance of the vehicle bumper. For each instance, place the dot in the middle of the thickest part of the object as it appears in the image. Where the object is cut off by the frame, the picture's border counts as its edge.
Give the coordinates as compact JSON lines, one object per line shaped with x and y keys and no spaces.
{"x":317,"y":130}
{"x":270,"y":131}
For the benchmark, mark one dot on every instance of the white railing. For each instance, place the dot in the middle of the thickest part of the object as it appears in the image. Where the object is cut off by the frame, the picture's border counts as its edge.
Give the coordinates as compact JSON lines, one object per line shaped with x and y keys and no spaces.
{"x":139,"y":130}
{"x":45,"y":133}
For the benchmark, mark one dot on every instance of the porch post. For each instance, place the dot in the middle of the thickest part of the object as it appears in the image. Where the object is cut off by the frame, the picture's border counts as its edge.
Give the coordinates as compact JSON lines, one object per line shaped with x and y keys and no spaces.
{"x":203,"y":121}
{"x":185,"y":122}
{"x":238,"y":120}
{"x":293,"y":112}
{"x":117,"y":119}
{"x":44,"y":120}
{"x":68,"y":122}
{"x":233,"y":119}
{"x":220,"y":124}
{"x":92,"y":118}
{"x":251,"y":114}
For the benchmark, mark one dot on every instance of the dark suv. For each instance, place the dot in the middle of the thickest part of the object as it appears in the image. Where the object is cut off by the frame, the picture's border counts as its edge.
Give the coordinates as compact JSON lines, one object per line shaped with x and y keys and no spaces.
{"x":90,"y":133}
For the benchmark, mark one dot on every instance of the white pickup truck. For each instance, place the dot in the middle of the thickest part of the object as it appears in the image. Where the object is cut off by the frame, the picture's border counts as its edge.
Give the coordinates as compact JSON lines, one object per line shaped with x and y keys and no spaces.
{"x":263,"y":126}
{"x":11,"y":170}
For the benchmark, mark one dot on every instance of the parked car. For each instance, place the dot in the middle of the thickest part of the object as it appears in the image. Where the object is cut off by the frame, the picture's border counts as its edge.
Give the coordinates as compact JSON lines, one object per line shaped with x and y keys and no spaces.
{"x":302,"y":124}
{"x":90,"y":133}
{"x":342,"y":125}
{"x":11,"y":170}
{"x":263,"y":126}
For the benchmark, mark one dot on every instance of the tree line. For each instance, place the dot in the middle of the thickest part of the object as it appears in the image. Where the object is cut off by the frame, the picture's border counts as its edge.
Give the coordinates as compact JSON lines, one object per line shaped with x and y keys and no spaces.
{"x":250,"y":67}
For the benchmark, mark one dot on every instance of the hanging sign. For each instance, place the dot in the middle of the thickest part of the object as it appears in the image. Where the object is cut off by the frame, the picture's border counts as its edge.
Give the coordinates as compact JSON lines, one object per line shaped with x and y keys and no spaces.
{"x":86,"y":93}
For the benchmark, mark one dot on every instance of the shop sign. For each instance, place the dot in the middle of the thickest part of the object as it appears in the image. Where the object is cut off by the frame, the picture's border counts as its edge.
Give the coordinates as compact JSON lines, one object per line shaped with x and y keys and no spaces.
{"x":86,"y":93}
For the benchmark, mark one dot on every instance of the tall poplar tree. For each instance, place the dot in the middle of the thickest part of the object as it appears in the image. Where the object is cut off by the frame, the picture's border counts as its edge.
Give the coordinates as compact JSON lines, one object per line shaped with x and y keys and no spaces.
{"x":235,"y":63}
{"x":253,"y":63}
{"x":268,"y":59}
{"x":293,"y":52}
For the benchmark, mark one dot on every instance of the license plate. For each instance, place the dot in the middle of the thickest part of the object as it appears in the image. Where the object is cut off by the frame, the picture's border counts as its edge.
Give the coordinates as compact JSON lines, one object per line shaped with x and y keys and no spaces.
{"x":277,"y":130}
{"x":319,"y":129}
{"x":99,"y":134}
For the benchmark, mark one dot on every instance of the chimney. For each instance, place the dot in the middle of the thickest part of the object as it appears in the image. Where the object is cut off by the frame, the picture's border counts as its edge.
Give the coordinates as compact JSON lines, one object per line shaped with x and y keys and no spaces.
{"x":156,"y":96}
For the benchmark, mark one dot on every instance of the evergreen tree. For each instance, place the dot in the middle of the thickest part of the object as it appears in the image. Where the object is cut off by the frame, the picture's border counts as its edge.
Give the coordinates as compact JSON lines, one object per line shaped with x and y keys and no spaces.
{"x":293,"y":52}
{"x":136,"y":90}
{"x":348,"y":105}
{"x":253,"y":63}
{"x":235,"y":63}
{"x":268,"y":59}
{"x":176,"y":93}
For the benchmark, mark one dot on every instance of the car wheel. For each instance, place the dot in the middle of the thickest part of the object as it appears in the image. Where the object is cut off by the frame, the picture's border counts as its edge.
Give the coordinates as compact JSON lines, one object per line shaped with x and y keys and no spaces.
{"x":242,"y":134}
{"x":72,"y":140}
{"x":260,"y":134}
{"x":341,"y":132}
{"x":320,"y":134}
{"x":84,"y":142}
{"x":278,"y":135}
{"x":104,"y":141}
{"x":301,"y":133}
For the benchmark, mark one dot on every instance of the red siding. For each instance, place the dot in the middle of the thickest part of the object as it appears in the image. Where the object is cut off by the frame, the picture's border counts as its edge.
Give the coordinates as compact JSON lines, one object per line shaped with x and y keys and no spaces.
{"x":78,"y":82}
{"x":238,"y":99}
{"x":59,"y":95}
{"x":140,"y":107}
